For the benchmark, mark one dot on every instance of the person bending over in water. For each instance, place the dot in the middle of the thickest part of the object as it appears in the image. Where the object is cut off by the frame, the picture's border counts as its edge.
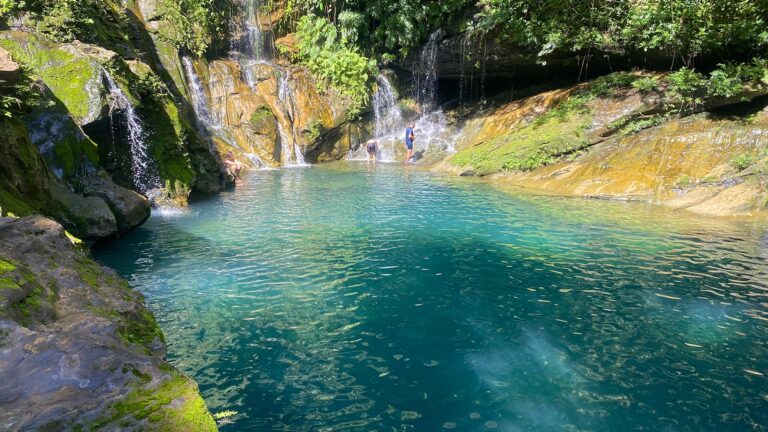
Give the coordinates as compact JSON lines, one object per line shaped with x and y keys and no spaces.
{"x":409,"y":138}
{"x":372,"y":146}
{"x":233,"y":166}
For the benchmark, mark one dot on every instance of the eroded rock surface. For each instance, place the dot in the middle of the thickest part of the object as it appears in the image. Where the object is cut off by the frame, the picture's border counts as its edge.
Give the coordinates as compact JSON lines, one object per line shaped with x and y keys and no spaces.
{"x":78,"y":349}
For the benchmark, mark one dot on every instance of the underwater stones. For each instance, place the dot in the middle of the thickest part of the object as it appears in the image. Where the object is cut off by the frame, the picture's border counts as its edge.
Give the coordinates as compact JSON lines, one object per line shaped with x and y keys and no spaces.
{"x":78,"y":349}
{"x":129,"y":208}
{"x":9,"y":69}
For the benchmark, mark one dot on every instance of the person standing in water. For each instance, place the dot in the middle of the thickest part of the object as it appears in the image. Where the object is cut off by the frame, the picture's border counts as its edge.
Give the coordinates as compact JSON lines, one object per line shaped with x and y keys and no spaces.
{"x":372,"y":146}
{"x":409,"y":138}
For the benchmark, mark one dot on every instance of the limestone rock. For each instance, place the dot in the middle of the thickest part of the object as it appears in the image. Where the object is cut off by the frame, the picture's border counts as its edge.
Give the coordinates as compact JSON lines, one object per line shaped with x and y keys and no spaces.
{"x":78,"y":349}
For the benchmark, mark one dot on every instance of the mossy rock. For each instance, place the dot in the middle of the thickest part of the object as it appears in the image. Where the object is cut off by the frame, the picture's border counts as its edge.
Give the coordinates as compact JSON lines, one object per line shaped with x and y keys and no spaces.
{"x":73,"y":78}
{"x":528,"y":148}
{"x":173,"y":405}
{"x":22,"y":297}
{"x":25,"y":179}
{"x":263,"y":121}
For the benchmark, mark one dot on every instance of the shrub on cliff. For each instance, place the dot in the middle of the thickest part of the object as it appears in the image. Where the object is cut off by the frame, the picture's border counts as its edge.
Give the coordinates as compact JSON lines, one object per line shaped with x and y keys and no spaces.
{"x":329,"y":56}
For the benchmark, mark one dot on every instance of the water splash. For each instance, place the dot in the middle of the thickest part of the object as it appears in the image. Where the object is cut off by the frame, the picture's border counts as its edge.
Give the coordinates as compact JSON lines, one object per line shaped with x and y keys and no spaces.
{"x":386,"y":109}
{"x":199,"y":97}
{"x":432,"y":132}
{"x":143,"y":171}
{"x":388,"y":123}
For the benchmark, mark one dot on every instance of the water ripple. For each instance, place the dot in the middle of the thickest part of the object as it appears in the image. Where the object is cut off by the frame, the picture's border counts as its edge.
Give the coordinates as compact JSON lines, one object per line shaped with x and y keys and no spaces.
{"x":362,"y":298}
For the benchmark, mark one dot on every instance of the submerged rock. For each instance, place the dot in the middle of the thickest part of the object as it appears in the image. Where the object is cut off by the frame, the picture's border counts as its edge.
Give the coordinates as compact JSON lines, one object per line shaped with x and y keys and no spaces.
{"x":78,"y":348}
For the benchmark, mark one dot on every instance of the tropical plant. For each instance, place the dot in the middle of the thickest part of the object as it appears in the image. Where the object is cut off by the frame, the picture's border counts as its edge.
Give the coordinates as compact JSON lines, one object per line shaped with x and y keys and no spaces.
{"x":330,"y":57}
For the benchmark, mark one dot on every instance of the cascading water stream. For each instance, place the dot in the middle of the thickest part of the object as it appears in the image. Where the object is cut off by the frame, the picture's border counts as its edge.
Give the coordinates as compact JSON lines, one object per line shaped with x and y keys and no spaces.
{"x":199,"y":97}
{"x":431,"y":126}
{"x":388,"y":122}
{"x":143,"y":171}
{"x":291,"y":155}
{"x":386,"y":109}
{"x":249,"y":47}
{"x":253,"y":48}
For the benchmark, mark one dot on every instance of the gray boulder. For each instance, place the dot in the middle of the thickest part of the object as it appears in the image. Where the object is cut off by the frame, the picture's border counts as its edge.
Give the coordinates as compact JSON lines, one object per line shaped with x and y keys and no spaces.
{"x":78,"y":348}
{"x":129,"y":208}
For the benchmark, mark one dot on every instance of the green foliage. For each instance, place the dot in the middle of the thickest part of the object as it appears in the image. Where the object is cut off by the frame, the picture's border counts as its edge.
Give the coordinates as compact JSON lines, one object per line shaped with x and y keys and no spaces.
{"x":577,"y":103}
{"x":328,"y":56}
{"x":351,"y":24}
{"x":24,"y":95}
{"x":260,"y":115}
{"x":193,"y":24}
{"x":314,"y":130}
{"x":636,"y":125}
{"x":646,"y":84}
{"x":189,"y":24}
{"x":99,"y":21}
{"x":729,"y":79}
{"x":11,"y":7}
{"x":684,"y":86}
{"x":680,"y":28}
{"x":724,"y":82}
{"x":742,"y":161}
{"x":149,"y":85}
{"x":382,"y":26}
{"x":684,"y":181}
{"x":64,"y":20}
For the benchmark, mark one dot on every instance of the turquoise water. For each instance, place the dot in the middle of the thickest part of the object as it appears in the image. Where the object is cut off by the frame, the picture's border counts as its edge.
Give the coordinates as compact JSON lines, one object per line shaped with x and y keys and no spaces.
{"x":355,"y":298}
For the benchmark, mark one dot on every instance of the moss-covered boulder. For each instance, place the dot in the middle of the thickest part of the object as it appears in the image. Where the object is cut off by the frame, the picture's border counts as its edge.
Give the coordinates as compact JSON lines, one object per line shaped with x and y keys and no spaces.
{"x":28,"y":187}
{"x":80,"y":93}
{"x":78,"y":348}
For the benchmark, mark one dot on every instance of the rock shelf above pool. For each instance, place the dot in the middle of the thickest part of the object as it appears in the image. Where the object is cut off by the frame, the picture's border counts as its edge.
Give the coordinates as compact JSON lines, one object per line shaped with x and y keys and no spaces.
{"x":78,"y":348}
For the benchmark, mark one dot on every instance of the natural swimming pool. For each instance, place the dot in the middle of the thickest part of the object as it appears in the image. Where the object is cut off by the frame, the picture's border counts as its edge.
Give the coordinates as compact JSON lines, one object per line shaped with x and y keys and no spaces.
{"x":349,"y":297}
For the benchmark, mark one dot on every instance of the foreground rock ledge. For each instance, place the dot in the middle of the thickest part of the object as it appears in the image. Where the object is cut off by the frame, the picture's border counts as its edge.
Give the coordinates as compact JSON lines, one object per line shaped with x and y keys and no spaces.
{"x":78,"y":348}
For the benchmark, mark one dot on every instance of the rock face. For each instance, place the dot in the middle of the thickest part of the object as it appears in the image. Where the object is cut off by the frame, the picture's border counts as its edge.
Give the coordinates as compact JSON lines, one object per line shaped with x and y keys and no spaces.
{"x":78,"y":349}
{"x":27,"y":187}
{"x":280,"y":111}
{"x":621,"y":144}
{"x":683,"y":164}
{"x":83,"y":125}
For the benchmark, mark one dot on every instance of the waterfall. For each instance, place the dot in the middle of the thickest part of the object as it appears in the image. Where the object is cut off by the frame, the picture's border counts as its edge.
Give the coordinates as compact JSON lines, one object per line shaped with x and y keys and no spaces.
{"x":199,"y":96}
{"x":388,"y":123}
{"x":251,"y":47}
{"x":424,"y":85}
{"x":290,"y":155}
{"x":298,"y":157}
{"x":283,"y":88}
{"x":143,"y":171}
{"x":386,"y":110}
